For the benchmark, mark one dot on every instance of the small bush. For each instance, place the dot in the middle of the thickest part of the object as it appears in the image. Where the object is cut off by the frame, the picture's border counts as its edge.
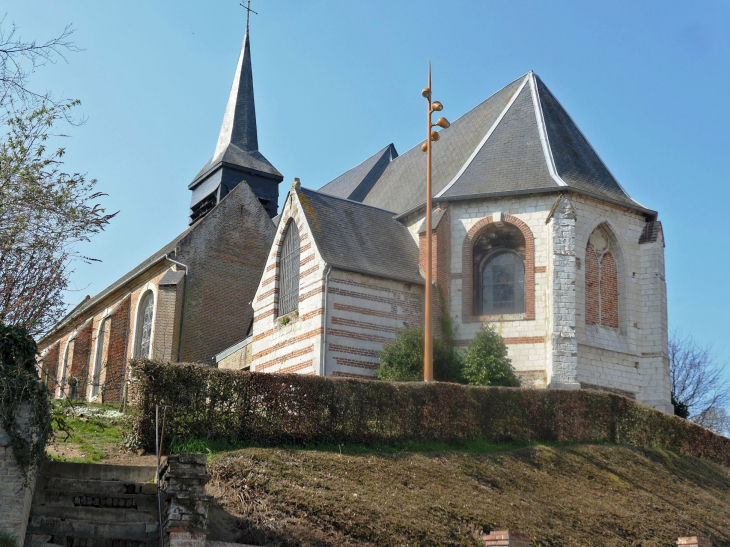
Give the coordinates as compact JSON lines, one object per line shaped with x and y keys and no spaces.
{"x":485,"y":362}
{"x":401,"y":359}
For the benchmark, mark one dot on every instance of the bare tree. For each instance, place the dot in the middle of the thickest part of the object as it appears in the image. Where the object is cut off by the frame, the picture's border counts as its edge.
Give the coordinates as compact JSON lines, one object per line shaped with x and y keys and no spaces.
{"x":700,"y":392}
{"x":19,"y":59}
{"x":44,"y":211}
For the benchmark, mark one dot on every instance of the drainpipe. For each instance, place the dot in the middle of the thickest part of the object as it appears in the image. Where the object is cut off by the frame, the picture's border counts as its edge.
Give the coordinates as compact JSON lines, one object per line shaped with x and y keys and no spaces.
{"x":185,"y":303}
{"x":324,"y":314}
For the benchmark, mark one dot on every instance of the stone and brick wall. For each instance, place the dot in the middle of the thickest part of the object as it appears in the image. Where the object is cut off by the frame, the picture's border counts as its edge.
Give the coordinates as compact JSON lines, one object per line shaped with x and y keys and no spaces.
{"x":290,"y":343}
{"x":363,"y":313}
{"x":226,"y":254}
{"x":15,"y":497}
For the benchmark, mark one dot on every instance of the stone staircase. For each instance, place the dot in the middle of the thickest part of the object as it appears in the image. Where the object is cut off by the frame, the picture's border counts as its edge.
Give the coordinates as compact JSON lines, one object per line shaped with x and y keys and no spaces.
{"x":92,"y":505}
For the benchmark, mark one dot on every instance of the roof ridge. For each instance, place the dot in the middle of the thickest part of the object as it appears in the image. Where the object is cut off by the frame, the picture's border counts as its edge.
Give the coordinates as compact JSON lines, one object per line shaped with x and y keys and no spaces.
{"x":542,"y":130}
{"x":349,"y":201}
{"x":487,"y":135}
{"x":586,"y":140}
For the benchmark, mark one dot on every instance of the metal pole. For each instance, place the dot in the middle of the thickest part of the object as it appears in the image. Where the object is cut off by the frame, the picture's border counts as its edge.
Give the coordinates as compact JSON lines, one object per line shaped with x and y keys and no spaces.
{"x":428,"y":342}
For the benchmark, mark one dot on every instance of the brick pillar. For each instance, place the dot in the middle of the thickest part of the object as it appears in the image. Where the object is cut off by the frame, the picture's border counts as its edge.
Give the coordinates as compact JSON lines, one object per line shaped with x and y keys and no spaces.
{"x":505,"y":538}
{"x":185,"y":510}
{"x":168,"y":315}
{"x":563,"y":365}
{"x":49,"y":366}
{"x":440,"y":262}
{"x":78,"y":361}
{"x":116,"y":356}
{"x":694,"y":541}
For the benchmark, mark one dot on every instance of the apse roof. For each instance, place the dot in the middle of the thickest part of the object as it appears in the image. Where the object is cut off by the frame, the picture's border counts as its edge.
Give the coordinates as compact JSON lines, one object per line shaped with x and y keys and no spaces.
{"x":359,"y":238}
{"x":519,"y":140}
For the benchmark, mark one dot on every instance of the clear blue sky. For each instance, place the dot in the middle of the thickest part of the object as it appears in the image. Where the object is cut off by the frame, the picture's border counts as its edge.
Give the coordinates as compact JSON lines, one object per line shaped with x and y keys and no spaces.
{"x":647,"y":82}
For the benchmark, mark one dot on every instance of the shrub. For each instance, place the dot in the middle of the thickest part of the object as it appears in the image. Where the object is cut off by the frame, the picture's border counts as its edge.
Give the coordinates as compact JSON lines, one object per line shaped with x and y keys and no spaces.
{"x":485,"y":362}
{"x":7,"y":539}
{"x":276,"y":409}
{"x":401,"y":359}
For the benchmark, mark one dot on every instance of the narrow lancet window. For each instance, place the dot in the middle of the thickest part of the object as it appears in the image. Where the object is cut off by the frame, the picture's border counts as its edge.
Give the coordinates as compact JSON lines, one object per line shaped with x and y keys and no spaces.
{"x":289,"y":282}
{"x":144,"y":327}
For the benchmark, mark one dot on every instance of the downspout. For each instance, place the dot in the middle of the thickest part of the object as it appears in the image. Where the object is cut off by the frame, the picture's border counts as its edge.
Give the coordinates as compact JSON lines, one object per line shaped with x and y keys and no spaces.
{"x":185,"y":303}
{"x":324,"y":314}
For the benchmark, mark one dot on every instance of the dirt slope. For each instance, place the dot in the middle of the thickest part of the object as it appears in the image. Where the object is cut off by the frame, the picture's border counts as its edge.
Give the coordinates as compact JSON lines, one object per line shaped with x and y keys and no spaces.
{"x":581,"y":495}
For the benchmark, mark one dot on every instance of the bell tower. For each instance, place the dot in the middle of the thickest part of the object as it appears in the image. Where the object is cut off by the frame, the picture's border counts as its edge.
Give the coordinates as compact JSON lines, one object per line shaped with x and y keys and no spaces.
{"x":237,"y":157}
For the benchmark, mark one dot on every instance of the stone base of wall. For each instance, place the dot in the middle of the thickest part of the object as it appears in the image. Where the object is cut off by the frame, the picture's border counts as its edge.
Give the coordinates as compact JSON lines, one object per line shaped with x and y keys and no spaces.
{"x":15,"y":497}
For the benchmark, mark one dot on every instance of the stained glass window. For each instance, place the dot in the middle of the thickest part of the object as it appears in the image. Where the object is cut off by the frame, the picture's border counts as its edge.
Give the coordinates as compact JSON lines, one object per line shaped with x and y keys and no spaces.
{"x":289,"y":282}
{"x":144,"y":326}
{"x":499,"y":271}
{"x":503,"y":284}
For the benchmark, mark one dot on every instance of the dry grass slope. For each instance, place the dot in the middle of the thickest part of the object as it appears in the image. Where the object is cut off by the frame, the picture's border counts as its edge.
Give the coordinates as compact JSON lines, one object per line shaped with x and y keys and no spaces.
{"x":581,"y":495}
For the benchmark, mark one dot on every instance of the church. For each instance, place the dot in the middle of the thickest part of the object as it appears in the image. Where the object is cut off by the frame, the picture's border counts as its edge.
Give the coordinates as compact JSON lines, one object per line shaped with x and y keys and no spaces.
{"x":531,"y":233}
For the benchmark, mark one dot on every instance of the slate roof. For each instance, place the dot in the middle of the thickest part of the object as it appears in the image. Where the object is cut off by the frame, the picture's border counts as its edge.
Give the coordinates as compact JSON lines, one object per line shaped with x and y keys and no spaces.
{"x":358,"y":181}
{"x":238,"y":139}
{"x":519,"y":140}
{"x":359,"y":238}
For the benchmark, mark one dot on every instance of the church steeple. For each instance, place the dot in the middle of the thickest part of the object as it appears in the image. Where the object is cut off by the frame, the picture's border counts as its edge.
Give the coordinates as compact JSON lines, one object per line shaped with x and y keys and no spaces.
{"x":237,"y":157}
{"x":239,"y":121}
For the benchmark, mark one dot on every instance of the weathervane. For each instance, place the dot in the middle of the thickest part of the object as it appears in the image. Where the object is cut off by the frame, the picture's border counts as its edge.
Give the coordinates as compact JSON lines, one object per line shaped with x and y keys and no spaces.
{"x":247,"y":7}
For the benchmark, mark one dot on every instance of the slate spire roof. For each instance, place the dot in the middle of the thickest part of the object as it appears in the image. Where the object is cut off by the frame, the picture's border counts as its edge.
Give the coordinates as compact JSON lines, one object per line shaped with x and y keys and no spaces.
{"x":238,"y":141}
{"x":519,"y":140}
{"x":236,"y":156}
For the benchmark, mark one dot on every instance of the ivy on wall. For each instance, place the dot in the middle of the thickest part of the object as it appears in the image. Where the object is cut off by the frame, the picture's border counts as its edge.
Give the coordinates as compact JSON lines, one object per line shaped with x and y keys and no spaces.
{"x":20,"y":388}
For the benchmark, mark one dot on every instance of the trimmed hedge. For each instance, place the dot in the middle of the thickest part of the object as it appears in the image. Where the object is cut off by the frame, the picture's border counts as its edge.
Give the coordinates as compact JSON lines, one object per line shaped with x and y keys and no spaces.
{"x":275,"y":409}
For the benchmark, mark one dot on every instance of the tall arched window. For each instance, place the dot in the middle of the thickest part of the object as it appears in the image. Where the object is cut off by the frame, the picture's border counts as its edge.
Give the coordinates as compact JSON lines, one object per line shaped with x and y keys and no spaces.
{"x":601,"y":294}
{"x":144,"y":326}
{"x":96,"y":374}
{"x":64,"y":368}
{"x":499,"y":271}
{"x":289,"y":281}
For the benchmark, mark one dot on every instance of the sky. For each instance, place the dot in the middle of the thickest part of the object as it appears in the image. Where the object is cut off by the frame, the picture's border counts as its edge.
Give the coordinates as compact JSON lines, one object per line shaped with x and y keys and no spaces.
{"x":647,"y":82}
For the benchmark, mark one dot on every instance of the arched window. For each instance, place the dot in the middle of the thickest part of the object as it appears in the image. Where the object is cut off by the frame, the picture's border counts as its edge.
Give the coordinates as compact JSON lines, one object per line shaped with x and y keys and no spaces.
{"x":144,"y":326}
{"x":499,"y":271}
{"x":289,"y":281}
{"x":601,"y":294}
{"x":64,"y":368}
{"x":96,"y":374}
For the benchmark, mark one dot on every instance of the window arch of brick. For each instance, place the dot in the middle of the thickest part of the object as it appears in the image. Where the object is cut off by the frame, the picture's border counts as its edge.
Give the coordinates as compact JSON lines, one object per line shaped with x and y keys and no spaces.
{"x":144,"y":325}
{"x":602,"y":294}
{"x":467,"y":270}
{"x":289,"y":256}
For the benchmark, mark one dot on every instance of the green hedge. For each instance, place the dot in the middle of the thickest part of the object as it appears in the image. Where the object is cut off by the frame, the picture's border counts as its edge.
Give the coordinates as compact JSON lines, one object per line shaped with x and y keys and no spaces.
{"x":274,"y":409}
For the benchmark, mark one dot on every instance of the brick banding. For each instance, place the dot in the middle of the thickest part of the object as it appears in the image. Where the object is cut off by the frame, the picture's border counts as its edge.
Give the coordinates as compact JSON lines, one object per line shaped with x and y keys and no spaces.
{"x":352,"y":351}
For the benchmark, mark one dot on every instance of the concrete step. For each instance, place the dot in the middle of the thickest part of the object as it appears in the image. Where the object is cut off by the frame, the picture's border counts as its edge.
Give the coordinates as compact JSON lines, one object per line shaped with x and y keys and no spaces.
{"x":95,"y":471}
{"x":45,"y":540}
{"x":72,"y":498}
{"x":95,"y":514}
{"x":54,"y":526}
{"x":106,"y":486}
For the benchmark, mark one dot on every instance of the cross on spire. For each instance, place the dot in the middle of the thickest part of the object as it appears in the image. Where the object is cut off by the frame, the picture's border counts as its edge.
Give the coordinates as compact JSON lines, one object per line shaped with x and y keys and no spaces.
{"x":246,"y":4}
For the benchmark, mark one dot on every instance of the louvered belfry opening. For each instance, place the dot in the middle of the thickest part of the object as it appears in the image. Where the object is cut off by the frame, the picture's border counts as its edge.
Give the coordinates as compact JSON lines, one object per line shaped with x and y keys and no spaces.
{"x":289,"y":283}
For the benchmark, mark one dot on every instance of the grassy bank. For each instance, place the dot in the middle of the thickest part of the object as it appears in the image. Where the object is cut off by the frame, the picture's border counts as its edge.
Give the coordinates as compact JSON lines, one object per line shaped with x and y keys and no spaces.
{"x":95,"y":433}
{"x":579,"y":495}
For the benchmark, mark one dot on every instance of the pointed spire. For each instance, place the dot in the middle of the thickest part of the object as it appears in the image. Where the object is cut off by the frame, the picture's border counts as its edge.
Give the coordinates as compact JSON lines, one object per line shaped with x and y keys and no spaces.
{"x":239,"y":121}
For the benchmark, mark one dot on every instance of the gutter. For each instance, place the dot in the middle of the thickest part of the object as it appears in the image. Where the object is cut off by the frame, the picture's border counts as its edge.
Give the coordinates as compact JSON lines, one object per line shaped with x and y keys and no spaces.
{"x":324,"y":314}
{"x":185,"y":304}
